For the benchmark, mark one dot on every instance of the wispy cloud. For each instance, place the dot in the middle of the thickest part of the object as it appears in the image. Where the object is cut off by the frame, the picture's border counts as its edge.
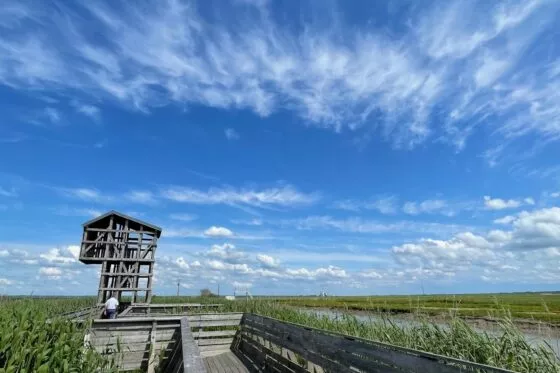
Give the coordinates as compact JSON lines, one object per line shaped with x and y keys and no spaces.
{"x":366,"y":226}
{"x":183,"y":217}
{"x":52,"y":114}
{"x":85,"y":194}
{"x":279,"y":196}
{"x":428,"y":206}
{"x":231,"y":134}
{"x":8,"y":192}
{"x":384,"y":205}
{"x":89,"y":110}
{"x":141,"y":196}
{"x":73,"y":211}
{"x":463,"y":62}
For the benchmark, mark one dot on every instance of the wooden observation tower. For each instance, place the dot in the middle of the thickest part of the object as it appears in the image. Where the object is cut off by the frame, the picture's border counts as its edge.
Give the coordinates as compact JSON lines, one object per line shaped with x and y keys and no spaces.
{"x":125,"y":247}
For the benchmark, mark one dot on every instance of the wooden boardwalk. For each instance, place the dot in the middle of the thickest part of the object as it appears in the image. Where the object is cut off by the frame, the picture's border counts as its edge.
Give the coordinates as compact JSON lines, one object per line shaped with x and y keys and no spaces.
{"x":226,"y":362}
{"x":242,"y":343}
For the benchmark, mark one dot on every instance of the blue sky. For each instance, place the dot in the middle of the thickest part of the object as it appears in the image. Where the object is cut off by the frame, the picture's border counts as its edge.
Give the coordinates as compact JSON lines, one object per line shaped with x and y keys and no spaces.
{"x":285,"y":147}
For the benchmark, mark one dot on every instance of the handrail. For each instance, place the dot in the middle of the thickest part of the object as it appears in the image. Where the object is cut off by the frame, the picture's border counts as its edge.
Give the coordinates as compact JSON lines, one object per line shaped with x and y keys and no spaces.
{"x":408,"y":351}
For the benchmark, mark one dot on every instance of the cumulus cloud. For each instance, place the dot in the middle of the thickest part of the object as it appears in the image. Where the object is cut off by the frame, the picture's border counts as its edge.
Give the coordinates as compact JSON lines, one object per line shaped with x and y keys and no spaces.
{"x":57,"y":256}
{"x":214,"y":231}
{"x":505,"y":220}
{"x":5,"y":282}
{"x":227,"y":252}
{"x":268,"y":261}
{"x":501,"y":204}
{"x":328,"y":272}
{"x":534,"y":238}
{"x":242,"y":285}
{"x":50,"y":272}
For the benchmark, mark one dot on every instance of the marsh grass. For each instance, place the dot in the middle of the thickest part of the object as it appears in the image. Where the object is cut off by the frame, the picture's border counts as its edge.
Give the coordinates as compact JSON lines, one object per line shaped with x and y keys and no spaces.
{"x":28,"y":343}
{"x":31,"y":342}
{"x":504,"y":348}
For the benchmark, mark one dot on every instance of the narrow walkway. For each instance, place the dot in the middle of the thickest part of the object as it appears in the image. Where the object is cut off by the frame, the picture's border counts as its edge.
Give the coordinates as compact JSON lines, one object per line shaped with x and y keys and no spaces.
{"x":225,"y":362}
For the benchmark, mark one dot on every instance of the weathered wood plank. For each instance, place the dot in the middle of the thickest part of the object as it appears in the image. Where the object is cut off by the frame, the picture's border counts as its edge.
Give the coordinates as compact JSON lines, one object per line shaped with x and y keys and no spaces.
{"x":414,"y":361}
{"x":214,"y":341}
{"x":271,"y":358}
{"x":192,"y":361}
{"x":318,"y":353}
{"x":214,"y":334}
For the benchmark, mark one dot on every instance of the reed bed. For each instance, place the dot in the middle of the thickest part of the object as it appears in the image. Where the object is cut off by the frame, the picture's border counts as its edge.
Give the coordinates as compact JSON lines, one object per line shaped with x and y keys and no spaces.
{"x":506,"y":349}
{"x":32,"y":341}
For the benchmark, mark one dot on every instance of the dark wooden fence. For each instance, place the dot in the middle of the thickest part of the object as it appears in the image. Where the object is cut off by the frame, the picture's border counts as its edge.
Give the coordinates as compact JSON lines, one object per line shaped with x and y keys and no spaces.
{"x":269,"y":345}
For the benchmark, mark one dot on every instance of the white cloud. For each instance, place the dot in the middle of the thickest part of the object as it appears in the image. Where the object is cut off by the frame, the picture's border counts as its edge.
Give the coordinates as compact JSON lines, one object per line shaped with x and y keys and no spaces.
{"x":50,"y":272}
{"x":182,"y":263}
{"x":74,"y":251}
{"x":141,"y":196}
{"x":214,"y":231}
{"x":385,"y":205}
{"x":231,"y":134}
{"x":86,"y":194}
{"x":4,"y":253}
{"x":89,"y":110}
{"x":242,"y":285}
{"x":280,"y":196}
{"x":329,"y":272}
{"x":428,"y":206}
{"x":534,"y":240}
{"x":227,"y":252}
{"x":52,"y":114}
{"x":454,"y":60}
{"x":359,"y":225}
{"x":69,"y":211}
{"x":183,"y":217}
{"x":57,"y":256}
{"x":500,"y":204}
{"x":505,"y":220}
{"x":5,"y":282}
{"x":268,"y":261}
{"x":529,"y":201}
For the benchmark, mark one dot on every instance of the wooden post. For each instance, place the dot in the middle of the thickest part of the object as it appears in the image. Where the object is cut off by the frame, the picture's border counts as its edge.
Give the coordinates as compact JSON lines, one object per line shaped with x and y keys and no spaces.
{"x":152,"y":359}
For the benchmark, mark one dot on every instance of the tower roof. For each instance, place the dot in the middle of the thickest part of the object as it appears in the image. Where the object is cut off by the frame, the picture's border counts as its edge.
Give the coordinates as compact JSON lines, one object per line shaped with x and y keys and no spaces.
{"x":122,"y":216}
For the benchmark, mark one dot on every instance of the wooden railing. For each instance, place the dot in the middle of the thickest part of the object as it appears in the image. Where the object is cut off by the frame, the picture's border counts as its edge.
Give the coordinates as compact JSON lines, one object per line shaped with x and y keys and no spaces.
{"x":270,"y":345}
{"x":180,"y":344}
{"x":170,"y":342}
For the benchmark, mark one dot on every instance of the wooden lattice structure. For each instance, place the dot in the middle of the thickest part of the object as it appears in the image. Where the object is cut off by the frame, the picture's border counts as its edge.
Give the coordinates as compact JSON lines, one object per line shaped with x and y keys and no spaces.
{"x":125,"y":247}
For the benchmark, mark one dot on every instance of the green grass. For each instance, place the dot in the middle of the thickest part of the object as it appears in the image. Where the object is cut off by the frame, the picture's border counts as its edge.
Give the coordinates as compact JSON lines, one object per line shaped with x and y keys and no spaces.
{"x":28,"y":343}
{"x":526,"y":306}
{"x":505,"y":348}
